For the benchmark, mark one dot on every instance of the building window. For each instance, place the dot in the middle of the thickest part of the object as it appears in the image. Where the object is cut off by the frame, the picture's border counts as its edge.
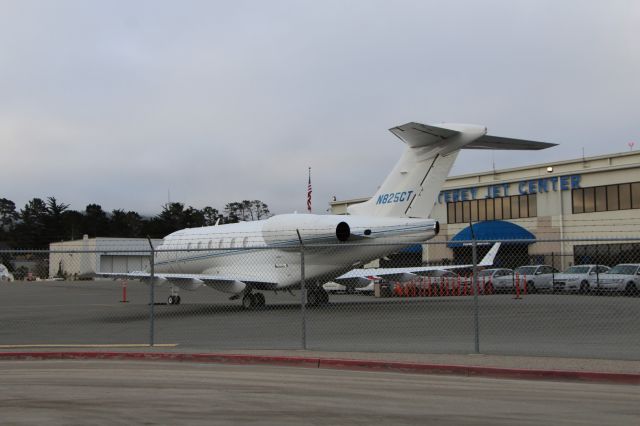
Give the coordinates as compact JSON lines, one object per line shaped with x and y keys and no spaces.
{"x":589,"y":200}
{"x":490,"y":211}
{"x":612,"y":198}
{"x":622,"y":196}
{"x":514,"y":207}
{"x":577,"y":200}
{"x":601,"y":198}
{"x":506,"y":208}
{"x":466,"y":211}
{"x":524,"y":206}
{"x":533,"y":205}
{"x":451,"y":213}
{"x":499,"y":211}
{"x":635,"y":195}
{"x":482,"y":209}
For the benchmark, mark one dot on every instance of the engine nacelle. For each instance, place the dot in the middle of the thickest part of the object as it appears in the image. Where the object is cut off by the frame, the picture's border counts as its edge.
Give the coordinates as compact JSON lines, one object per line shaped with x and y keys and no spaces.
{"x":313,"y":229}
{"x":283,"y":229}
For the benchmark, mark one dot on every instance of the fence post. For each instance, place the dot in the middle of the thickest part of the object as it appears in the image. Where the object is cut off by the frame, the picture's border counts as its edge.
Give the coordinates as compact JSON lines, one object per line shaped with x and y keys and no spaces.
{"x":476,"y":316}
{"x":303,"y":296}
{"x":151,"y":294}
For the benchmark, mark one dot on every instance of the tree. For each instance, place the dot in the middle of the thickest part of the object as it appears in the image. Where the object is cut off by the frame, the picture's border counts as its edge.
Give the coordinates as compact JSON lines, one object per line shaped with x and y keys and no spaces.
{"x":31,"y":232}
{"x":96,"y":222}
{"x":233,"y":212}
{"x":172,"y":216}
{"x":211,"y":216}
{"x":260,"y":210}
{"x":8,"y":215}
{"x":54,"y":220}
{"x":246,"y":211}
{"x":193,"y":218}
{"x":125,"y":224}
{"x":73,"y":223}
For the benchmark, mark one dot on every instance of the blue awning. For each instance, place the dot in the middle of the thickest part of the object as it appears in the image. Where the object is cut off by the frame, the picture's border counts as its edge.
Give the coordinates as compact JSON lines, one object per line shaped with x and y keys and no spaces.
{"x":493,"y":230}
{"x":416,"y":248}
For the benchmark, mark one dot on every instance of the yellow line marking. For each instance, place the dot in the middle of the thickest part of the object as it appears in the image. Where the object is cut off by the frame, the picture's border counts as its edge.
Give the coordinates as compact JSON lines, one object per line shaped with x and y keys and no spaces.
{"x":116,"y":345}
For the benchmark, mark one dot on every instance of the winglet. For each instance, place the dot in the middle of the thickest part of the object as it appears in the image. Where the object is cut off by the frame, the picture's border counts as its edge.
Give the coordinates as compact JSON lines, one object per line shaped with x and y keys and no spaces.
{"x":488,"y":259}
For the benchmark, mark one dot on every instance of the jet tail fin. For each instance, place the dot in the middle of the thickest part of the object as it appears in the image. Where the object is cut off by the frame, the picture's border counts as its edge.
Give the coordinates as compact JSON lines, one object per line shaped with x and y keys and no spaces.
{"x":414,"y":183}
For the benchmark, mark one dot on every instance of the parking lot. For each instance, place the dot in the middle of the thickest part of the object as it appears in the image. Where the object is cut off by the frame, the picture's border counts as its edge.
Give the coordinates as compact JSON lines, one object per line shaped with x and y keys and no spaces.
{"x":45,"y":313}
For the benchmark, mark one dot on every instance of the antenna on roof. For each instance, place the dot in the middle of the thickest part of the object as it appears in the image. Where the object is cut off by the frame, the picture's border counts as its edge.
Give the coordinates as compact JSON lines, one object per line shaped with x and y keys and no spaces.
{"x":493,"y":161}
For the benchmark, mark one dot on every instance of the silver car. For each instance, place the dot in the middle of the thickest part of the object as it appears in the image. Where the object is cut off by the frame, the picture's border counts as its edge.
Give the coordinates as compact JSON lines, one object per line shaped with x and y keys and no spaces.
{"x":578,"y":277}
{"x":624,"y":277}
{"x":486,"y":278}
{"x":535,"y":277}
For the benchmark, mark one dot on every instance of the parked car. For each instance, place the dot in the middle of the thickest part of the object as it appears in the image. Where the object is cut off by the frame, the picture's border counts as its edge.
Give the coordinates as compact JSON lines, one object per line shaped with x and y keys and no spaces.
{"x":624,"y":277}
{"x":487,"y":276}
{"x":536,"y":277}
{"x":577,"y":277}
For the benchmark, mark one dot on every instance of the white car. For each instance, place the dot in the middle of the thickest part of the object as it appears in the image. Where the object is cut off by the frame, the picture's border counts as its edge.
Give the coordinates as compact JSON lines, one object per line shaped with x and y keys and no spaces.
{"x":536,"y":277}
{"x":578,"y":277}
{"x":624,"y":277}
{"x":486,"y":278}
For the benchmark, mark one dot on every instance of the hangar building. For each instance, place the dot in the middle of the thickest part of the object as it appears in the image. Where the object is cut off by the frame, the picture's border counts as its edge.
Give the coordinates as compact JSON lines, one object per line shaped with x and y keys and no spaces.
{"x":90,"y":255}
{"x":583,"y":199}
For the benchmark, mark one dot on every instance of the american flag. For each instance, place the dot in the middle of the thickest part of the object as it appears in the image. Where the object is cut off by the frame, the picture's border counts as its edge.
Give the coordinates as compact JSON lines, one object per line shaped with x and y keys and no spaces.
{"x":309,"y":192}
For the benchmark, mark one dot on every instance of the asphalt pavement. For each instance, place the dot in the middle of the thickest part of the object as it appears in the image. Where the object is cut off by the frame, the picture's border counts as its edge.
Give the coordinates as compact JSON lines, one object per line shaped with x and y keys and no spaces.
{"x":113,"y":393}
{"x":64,"y":314}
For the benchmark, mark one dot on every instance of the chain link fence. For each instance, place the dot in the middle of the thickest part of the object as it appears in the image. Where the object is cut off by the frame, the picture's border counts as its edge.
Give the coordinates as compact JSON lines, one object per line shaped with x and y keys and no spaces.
{"x":574,"y":298}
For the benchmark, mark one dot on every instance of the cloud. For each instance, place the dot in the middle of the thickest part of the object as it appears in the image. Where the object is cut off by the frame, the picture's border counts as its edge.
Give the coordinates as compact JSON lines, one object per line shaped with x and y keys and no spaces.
{"x":120,"y":103}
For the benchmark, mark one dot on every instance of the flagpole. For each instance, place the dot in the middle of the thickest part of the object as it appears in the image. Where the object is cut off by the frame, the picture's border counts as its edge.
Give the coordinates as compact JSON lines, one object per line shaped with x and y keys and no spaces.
{"x":309,"y":192}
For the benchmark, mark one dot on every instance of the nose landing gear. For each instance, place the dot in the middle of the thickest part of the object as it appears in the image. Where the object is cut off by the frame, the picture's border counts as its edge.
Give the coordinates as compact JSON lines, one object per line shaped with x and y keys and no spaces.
{"x":174,"y":297}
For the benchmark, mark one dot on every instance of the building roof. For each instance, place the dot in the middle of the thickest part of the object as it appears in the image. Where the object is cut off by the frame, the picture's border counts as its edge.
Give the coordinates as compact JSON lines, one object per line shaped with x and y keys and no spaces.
{"x":593,"y":164}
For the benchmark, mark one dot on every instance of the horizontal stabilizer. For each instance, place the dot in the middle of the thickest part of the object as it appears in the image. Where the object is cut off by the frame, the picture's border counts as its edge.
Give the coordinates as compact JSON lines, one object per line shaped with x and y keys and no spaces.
{"x":417,"y":134}
{"x":497,"y":142}
{"x":409,"y":273}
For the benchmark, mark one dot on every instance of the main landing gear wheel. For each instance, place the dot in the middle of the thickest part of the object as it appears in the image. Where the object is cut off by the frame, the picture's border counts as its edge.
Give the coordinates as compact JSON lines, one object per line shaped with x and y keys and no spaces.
{"x":248,"y":301}
{"x":251,"y":301}
{"x":173,"y":300}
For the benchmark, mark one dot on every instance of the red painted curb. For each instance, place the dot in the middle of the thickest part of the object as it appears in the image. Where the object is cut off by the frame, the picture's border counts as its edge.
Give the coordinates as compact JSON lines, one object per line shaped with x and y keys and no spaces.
{"x":346,"y":364}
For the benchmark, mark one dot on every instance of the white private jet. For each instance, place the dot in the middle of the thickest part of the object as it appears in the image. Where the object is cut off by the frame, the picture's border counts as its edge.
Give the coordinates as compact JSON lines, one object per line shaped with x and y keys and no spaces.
{"x":243,"y":258}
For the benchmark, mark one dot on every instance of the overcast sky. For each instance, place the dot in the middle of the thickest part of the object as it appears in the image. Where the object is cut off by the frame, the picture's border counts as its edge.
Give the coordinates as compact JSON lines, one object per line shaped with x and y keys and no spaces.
{"x":122,"y":103}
